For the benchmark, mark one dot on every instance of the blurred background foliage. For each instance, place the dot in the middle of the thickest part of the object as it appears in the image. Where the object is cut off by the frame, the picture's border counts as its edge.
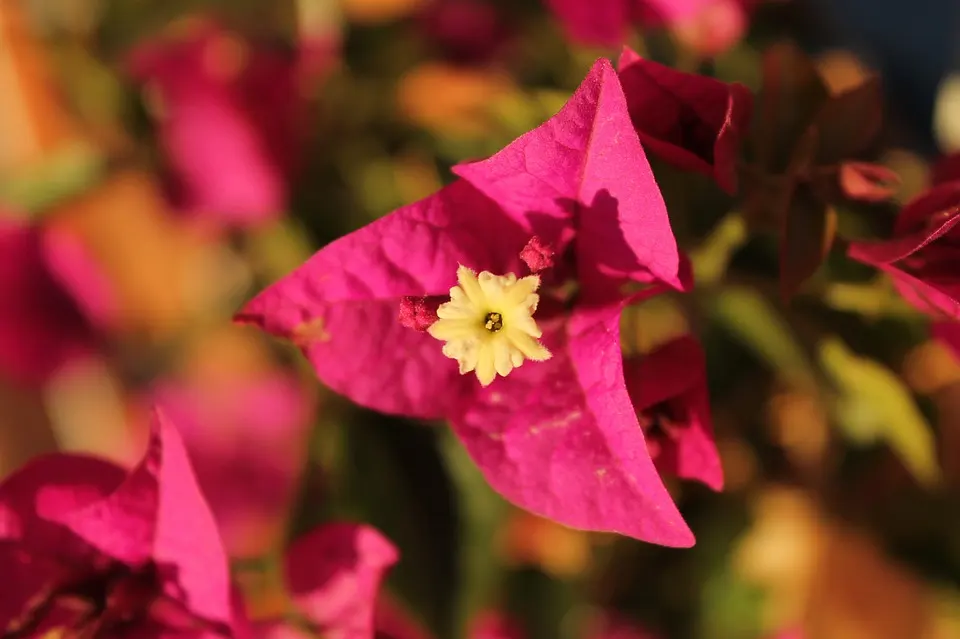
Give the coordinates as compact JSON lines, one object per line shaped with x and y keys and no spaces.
{"x":837,"y":416}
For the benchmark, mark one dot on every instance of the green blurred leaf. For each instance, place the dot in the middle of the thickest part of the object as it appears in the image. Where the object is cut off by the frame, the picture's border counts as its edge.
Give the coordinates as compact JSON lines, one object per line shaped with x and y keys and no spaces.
{"x":278,"y":249}
{"x":69,"y":172}
{"x":757,"y":325}
{"x":482,"y":512}
{"x":730,"y":607}
{"x":875,"y":405}
{"x":711,"y":258}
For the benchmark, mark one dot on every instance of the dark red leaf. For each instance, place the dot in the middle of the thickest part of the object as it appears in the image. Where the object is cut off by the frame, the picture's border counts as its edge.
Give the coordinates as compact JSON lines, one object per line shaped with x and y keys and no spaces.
{"x":790,"y":98}
{"x":693,"y":122}
{"x":849,"y":121}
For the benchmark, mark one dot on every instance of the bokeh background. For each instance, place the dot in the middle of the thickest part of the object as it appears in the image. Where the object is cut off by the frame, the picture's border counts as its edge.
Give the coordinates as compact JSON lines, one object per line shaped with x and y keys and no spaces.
{"x":162,"y":160}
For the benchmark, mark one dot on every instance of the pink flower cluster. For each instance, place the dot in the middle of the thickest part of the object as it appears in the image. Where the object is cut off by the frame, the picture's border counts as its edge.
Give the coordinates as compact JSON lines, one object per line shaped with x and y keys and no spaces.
{"x":90,"y":549}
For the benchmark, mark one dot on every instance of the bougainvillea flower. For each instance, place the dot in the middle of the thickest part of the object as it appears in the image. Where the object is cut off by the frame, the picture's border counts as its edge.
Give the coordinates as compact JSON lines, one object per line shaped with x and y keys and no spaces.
{"x":231,"y":119}
{"x":57,"y":302}
{"x":921,"y":255}
{"x":333,"y":575}
{"x":558,"y":437}
{"x":261,"y":437}
{"x":709,"y":25}
{"x":694,"y":122}
{"x":668,"y":388}
{"x":90,"y":549}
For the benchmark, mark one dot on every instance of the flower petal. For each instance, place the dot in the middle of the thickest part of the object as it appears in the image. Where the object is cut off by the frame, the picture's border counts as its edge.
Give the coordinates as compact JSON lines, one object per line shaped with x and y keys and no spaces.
{"x":220,"y":151}
{"x":561,"y":439}
{"x":158,"y":513}
{"x":334,"y":575}
{"x":585,"y":167}
{"x":676,"y":372}
{"x":923,"y":227}
{"x":263,"y":435}
{"x":30,"y":546}
{"x":41,"y":325}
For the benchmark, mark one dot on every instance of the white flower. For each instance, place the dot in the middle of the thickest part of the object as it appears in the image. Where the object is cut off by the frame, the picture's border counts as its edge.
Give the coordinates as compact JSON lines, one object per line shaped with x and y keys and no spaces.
{"x":488,"y":323}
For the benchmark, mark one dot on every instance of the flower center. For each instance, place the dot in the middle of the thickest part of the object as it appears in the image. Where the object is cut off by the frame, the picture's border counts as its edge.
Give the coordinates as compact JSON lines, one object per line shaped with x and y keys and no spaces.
{"x":493,"y":322}
{"x":487,"y":342}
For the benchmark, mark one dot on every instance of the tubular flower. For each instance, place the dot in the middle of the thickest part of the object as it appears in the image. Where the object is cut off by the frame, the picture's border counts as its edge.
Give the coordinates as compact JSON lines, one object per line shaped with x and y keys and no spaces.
{"x":488,"y":323}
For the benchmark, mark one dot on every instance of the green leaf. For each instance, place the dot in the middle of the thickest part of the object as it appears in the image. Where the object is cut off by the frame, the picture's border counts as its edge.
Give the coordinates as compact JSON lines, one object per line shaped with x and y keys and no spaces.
{"x":278,"y":249}
{"x":481,"y":514}
{"x":711,"y":258}
{"x":757,"y":325}
{"x":70,"y":171}
{"x":874,"y":405}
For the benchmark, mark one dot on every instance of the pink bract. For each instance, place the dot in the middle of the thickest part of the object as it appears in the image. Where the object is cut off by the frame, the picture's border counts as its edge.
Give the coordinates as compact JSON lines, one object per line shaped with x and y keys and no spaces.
{"x":559,"y":438}
{"x":668,"y":388}
{"x":333,"y":574}
{"x":247,"y":442}
{"x":921,"y":255}
{"x":138,"y":550}
{"x":58,"y":302}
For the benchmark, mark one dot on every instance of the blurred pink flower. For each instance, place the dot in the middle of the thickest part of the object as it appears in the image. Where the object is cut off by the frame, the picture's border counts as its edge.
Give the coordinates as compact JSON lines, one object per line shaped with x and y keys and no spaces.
{"x":693,"y":122}
{"x":247,"y":441}
{"x":92,"y":549}
{"x":709,"y":26}
{"x":921,"y":255}
{"x":558,"y":437}
{"x":333,"y":574}
{"x":231,"y":118}
{"x":495,"y":625}
{"x":57,"y":302}
{"x":668,"y":388}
